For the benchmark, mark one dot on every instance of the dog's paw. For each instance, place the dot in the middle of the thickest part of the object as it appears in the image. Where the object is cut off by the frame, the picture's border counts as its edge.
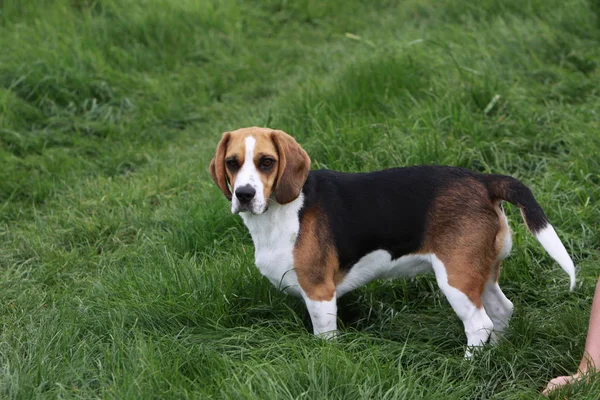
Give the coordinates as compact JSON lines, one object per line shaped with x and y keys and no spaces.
{"x":328,"y":335}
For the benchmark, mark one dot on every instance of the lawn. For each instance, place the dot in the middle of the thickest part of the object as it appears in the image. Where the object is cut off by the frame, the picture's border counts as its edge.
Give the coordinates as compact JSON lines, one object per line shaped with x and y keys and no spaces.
{"x":123,"y":273}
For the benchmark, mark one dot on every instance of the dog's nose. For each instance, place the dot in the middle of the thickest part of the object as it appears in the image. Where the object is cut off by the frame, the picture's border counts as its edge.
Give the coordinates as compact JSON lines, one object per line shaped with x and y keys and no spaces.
{"x":245,"y":193}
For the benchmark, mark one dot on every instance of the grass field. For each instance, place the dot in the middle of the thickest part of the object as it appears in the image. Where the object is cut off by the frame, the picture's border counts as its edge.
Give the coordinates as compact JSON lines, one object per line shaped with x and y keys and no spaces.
{"x":122,"y":272}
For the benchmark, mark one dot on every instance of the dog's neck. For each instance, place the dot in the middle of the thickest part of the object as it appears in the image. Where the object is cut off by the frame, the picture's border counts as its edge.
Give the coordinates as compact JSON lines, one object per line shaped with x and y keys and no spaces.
{"x":276,"y":227}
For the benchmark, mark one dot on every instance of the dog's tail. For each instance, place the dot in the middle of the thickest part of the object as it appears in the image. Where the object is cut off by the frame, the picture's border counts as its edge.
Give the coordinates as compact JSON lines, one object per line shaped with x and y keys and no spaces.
{"x":509,"y":189}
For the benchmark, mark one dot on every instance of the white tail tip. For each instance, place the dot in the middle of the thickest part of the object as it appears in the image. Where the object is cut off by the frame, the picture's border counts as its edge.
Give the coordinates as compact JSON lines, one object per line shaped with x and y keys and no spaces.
{"x":550,"y":241}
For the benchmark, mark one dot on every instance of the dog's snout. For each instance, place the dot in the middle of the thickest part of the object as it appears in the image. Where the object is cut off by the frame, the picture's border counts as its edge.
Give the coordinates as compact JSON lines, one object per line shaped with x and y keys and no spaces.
{"x":245,"y":193}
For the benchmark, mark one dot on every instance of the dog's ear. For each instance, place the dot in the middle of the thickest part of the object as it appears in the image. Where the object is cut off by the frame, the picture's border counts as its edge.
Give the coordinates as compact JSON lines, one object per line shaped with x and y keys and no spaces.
{"x":294,"y":165}
{"x":217,"y":166}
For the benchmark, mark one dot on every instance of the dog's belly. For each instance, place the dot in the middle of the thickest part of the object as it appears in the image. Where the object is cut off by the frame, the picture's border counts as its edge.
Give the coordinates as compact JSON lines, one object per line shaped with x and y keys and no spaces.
{"x":379,"y":265}
{"x":277,"y":267}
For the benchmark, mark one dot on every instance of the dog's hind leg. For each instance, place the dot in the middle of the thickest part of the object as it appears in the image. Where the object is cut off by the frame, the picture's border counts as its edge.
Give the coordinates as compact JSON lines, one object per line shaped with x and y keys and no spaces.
{"x":469,"y":308}
{"x":498,"y":306}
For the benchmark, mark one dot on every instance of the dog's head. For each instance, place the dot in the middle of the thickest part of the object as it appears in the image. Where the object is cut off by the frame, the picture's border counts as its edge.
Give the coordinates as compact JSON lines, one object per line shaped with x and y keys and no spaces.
{"x":257,"y":164}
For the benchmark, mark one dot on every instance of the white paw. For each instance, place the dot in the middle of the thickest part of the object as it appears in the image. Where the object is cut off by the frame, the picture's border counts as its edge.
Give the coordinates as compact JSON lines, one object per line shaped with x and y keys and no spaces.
{"x":327,"y":335}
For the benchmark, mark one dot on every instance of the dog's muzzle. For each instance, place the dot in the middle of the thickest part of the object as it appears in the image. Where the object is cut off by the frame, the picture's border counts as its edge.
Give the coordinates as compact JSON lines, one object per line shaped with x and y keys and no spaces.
{"x":246,"y":200}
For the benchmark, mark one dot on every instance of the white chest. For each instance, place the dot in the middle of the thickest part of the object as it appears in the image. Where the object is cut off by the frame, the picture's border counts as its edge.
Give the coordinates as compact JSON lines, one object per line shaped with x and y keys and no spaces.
{"x":274,"y":234}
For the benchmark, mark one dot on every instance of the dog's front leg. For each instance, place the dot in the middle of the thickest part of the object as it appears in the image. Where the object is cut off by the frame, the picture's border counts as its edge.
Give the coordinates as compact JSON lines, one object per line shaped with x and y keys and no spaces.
{"x":323,"y":314}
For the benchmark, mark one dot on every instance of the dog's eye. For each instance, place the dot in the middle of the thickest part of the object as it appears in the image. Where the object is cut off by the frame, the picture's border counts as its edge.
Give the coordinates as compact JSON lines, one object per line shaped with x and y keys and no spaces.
{"x":232,"y":164}
{"x":267,"y":163}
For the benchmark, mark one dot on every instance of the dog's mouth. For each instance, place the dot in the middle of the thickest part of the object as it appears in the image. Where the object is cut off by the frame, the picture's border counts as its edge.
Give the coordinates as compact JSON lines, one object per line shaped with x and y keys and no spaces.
{"x":250,"y":209}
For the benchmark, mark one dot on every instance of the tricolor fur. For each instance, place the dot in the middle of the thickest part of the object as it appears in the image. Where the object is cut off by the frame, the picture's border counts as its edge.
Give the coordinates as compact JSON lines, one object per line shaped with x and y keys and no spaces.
{"x":320,"y":234}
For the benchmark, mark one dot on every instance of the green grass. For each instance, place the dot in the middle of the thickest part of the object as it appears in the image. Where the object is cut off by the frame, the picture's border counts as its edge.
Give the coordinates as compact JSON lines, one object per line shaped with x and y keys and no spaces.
{"x":122,"y":273}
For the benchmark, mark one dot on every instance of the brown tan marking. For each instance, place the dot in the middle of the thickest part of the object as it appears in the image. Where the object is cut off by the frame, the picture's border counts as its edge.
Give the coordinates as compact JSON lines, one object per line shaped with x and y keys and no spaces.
{"x":217,"y":165}
{"x":235,"y":148}
{"x":465,"y":232}
{"x":294,"y":165}
{"x":315,"y":259}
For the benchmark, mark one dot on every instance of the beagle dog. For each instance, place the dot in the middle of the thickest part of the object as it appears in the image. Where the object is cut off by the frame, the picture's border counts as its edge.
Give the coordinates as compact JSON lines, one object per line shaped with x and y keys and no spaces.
{"x":320,"y":234}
